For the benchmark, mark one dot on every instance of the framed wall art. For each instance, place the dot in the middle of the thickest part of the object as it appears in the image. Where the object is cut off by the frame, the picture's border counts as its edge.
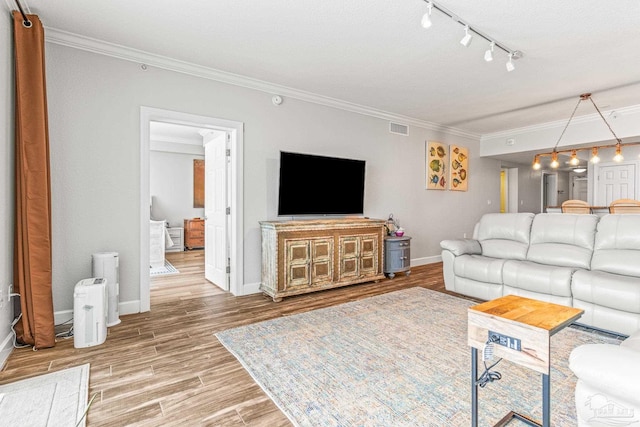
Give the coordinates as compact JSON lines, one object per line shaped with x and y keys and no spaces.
{"x":458,"y":168}
{"x":436,"y":166}
{"x":198,"y":183}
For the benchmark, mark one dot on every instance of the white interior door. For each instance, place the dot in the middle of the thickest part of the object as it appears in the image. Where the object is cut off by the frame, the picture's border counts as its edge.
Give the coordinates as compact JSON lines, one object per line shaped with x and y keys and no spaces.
{"x":616,"y":181}
{"x":579,"y":189}
{"x":215,"y":209}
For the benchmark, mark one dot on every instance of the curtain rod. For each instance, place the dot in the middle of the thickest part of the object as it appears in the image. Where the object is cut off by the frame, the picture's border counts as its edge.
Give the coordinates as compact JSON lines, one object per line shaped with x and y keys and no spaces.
{"x":25,"y":22}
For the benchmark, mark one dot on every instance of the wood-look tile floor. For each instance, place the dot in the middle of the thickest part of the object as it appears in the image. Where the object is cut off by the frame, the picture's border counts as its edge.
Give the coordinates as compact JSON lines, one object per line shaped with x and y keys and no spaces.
{"x":166,"y":368}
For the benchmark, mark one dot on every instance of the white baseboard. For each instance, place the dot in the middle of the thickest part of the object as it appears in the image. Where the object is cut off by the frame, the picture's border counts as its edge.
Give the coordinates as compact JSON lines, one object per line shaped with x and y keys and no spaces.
{"x":426,"y":260}
{"x":5,"y":349}
{"x":127,"y":307}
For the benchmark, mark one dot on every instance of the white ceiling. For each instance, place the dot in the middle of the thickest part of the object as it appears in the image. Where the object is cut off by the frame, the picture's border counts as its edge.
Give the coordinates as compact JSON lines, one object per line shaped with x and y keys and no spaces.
{"x":375,"y":53}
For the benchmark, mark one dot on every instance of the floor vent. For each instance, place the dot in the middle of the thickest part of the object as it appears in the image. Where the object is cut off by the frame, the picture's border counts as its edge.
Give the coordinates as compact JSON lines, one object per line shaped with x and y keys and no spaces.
{"x":398,"y":129}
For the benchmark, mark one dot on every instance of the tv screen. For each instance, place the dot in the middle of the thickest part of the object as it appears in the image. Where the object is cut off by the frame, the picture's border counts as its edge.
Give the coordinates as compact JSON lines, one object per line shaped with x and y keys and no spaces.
{"x":319,"y":185}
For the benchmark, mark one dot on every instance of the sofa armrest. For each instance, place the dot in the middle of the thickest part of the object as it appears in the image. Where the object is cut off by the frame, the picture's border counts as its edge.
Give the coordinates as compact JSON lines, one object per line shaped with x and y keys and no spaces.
{"x":462,"y":246}
{"x":611,"y":369}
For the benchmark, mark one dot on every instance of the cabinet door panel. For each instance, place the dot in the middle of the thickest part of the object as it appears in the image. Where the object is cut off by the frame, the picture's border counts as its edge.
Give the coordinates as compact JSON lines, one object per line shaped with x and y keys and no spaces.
{"x":322,"y":261}
{"x":298,"y":271}
{"x":297,"y":251}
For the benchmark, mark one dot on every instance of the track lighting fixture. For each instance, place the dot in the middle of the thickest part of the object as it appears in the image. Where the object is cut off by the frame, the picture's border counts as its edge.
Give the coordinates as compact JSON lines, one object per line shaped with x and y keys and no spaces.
{"x":469,"y":33}
{"x":426,"y":19}
{"x":510,"y":66}
{"x":574,"y":161}
{"x":466,"y":40}
{"x":488,"y":55}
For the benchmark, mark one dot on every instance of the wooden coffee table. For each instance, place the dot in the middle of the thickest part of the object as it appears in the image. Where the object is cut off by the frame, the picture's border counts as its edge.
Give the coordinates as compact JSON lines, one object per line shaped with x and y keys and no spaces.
{"x":525,"y":327}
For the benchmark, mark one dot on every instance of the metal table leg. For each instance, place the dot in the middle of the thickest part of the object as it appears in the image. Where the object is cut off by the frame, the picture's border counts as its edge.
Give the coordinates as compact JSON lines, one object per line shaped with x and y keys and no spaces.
{"x":474,"y":387}
{"x":546,"y":400}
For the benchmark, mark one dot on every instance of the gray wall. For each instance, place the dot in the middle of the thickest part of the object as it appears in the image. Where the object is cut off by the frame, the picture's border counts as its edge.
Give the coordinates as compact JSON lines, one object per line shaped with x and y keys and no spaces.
{"x":94,"y":105}
{"x":6,"y":180}
{"x":171,"y":185}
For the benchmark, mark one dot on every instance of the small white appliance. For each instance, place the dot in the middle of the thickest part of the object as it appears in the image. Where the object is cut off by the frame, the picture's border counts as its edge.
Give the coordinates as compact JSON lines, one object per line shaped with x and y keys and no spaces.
{"x":107,"y":265}
{"x":90,"y":312}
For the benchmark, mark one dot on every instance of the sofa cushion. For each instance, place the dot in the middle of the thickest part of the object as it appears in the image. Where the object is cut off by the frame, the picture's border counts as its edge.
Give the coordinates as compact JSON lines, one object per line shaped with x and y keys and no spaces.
{"x":538,"y":278}
{"x":608,"y":290}
{"x":479,"y":268}
{"x":563,"y":239}
{"x":617,"y":245}
{"x":505,"y":235}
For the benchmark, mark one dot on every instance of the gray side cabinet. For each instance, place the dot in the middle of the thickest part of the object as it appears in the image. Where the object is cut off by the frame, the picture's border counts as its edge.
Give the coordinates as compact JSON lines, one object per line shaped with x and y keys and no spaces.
{"x":397,"y":255}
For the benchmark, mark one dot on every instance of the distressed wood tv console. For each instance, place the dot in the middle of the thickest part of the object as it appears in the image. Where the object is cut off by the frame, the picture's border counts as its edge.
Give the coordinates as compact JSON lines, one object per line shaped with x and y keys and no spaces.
{"x":311,"y":255}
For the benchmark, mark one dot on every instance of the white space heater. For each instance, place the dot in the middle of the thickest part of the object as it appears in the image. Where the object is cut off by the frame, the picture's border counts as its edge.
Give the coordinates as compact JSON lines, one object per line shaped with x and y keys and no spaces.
{"x":107,"y":265}
{"x":89,"y":312}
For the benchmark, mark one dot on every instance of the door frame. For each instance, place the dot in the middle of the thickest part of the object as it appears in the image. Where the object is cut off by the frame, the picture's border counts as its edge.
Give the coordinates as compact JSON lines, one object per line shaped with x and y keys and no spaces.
{"x":554,"y":183}
{"x":149,"y":114}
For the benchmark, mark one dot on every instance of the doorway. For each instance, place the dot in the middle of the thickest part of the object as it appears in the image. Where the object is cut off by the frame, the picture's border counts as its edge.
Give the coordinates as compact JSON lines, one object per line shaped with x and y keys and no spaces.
{"x":508,"y":190}
{"x":549,"y":191}
{"x":234,"y":185}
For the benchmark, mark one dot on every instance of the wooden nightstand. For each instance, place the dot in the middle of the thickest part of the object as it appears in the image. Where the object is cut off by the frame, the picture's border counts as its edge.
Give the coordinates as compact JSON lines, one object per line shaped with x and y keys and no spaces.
{"x":194,"y":233}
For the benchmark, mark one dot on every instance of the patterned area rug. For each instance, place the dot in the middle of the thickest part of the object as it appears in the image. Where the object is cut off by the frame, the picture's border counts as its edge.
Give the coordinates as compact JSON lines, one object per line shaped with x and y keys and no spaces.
{"x":167,"y":269}
{"x":58,"y":399}
{"x":398,"y":359}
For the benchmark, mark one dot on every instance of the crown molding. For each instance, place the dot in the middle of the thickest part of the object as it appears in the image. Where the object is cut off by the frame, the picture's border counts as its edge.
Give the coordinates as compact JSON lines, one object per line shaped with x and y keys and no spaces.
{"x":595,"y":117}
{"x":76,"y":41}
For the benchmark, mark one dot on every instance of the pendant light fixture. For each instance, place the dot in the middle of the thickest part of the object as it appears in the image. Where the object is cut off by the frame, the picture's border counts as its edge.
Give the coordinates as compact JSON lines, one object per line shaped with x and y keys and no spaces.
{"x":574,"y":161}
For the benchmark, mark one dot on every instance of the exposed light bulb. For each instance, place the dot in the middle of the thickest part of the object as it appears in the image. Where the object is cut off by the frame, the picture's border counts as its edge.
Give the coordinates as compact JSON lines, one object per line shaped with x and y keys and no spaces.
{"x":426,"y":19}
{"x":554,"y":160}
{"x":618,"y":157}
{"x":594,"y":155}
{"x":574,"y":161}
{"x":536,"y":163}
{"x":488,"y":55}
{"x":466,"y":40}
{"x":510,"y":66}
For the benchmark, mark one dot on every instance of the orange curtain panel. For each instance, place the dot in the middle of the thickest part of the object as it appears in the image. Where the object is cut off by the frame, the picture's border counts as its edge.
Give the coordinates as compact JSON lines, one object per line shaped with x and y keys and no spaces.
{"x":32,"y":257}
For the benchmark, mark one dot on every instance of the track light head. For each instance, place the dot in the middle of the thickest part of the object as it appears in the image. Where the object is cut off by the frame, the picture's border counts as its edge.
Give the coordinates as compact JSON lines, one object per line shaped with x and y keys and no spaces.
{"x":488,"y":55}
{"x":466,"y":40}
{"x":510,"y":66}
{"x":426,"y":18}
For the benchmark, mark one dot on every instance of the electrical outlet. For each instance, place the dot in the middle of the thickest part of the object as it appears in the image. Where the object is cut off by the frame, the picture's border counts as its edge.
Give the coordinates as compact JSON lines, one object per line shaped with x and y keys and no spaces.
{"x":505,"y":341}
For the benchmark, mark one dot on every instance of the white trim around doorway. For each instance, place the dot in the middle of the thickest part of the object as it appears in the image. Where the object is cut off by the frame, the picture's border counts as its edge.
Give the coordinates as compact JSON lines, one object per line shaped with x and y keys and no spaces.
{"x":149,"y":114}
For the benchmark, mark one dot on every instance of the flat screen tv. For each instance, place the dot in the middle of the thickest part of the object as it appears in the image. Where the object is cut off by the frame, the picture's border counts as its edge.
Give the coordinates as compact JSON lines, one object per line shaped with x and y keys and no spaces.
{"x":320,"y":185}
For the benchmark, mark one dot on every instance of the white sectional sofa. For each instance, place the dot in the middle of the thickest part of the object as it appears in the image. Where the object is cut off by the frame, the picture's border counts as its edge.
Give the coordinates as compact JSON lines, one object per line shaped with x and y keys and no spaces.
{"x":583,"y":261}
{"x":607,"y":390}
